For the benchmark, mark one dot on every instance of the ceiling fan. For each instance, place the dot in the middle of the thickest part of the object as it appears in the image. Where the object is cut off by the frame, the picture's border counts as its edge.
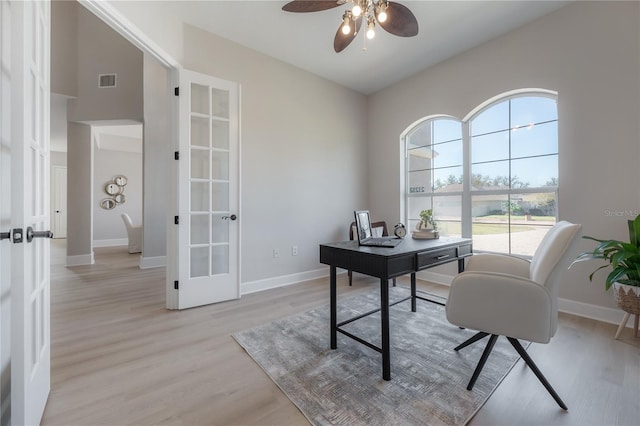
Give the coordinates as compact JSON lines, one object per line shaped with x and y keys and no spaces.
{"x":391,"y":16}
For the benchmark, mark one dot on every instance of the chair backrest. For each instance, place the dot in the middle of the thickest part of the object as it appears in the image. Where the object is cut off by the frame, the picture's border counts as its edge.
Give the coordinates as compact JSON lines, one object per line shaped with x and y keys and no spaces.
{"x":127,"y":221}
{"x":551,"y":260}
{"x":549,"y":254}
{"x":381,"y":224}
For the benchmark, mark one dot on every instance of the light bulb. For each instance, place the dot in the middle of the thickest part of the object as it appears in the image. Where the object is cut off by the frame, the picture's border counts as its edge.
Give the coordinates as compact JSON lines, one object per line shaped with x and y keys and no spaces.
{"x":381,"y":11}
{"x":370,"y":32}
{"x":346,"y":29}
{"x":357,"y":10}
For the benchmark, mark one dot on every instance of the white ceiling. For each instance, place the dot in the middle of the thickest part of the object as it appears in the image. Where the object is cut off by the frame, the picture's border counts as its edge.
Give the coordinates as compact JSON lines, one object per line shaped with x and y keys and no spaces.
{"x":305,"y":40}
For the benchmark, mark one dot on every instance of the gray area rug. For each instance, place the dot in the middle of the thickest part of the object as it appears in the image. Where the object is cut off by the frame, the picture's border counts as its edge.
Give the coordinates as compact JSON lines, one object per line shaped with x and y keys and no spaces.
{"x":345,"y":386}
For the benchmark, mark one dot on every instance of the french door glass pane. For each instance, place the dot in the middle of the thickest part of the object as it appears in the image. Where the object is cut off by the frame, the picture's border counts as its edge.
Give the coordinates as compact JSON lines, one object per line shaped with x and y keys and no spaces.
{"x":200,"y":229}
{"x":220,"y":167}
{"x":220,"y":103}
{"x":199,"y":196}
{"x":200,"y":131}
{"x":220,"y":134}
{"x":200,"y":163}
{"x":219,"y":229}
{"x":199,"y":99}
{"x":220,"y":259}
{"x":199,"y":265}
{"x":220,"y":196}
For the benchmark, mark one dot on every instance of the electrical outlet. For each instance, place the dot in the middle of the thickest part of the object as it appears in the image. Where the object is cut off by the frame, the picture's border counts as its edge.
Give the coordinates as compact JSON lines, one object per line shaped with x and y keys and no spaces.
{"x":294,"y":250}
{"x":276,"y":253}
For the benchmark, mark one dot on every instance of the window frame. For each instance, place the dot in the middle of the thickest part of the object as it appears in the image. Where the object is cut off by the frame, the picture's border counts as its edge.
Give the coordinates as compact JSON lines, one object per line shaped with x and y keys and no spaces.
{"x":467,"y":194}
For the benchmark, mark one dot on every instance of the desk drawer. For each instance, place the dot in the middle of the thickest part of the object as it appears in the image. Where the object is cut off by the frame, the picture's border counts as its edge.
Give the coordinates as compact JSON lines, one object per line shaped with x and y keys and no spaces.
{"x":432,"y":258}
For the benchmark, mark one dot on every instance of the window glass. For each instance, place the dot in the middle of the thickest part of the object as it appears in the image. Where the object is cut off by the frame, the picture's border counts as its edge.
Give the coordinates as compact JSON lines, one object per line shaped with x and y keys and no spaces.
{"x":510,"y":184}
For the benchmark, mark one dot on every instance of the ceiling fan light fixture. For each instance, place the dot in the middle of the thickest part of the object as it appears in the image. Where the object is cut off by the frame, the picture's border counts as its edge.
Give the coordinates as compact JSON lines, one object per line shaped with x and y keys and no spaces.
{"x":381,"y":11}
{"x":357,"y":9}
{"x":371,"y":33}
{"x":346,"y":28}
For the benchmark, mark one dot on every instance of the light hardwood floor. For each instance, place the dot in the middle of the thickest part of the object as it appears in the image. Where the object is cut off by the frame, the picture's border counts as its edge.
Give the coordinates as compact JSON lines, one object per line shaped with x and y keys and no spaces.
{"x":119,"y":357}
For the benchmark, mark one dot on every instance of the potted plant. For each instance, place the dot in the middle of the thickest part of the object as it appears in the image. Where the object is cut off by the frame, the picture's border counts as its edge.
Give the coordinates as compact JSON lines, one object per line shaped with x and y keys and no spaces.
{"x":624,"y":260}
{"x":427,"y":221}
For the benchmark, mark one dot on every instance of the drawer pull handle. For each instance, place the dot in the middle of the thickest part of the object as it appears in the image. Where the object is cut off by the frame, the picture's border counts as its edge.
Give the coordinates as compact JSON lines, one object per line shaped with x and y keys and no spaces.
{"x":444,"y":256}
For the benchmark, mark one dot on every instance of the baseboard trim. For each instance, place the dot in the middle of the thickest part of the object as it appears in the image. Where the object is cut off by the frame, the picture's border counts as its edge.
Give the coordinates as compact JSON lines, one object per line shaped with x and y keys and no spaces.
{"x":81,"y":259}
{"x":282,"y":281}
{"x":111,"y":243}
{"x":153,"y":262}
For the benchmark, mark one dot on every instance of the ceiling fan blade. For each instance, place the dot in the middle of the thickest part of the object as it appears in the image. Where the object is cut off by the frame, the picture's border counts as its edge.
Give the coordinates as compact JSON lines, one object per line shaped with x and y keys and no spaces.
{"x":400,"y":21}
{"x":341,"y":41}
{"x":302,"y":6}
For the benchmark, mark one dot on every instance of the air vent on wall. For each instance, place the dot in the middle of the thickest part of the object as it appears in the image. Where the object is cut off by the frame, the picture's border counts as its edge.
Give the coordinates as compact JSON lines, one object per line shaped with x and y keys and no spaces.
{"x":107,"y":80}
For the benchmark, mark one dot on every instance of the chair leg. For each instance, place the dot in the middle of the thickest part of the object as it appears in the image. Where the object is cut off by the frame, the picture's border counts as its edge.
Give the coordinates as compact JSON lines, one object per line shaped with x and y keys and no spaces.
{"x":483,"y":360}
{"x":394,"y":284}
{"x":527,"y":359}
{"x":473,"y":339}
{"x":349,"y":273}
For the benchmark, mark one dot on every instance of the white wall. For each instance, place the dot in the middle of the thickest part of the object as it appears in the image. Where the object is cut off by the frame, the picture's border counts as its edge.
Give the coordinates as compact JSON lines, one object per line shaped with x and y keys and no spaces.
{"x":156,"y":163}
{"x":303,"y":171}
{"x":100,"y":50}
{"x":108,"y":227}
{"x":64,"y":47}
{"x":589,"y":52}
{"x":79,"y":194}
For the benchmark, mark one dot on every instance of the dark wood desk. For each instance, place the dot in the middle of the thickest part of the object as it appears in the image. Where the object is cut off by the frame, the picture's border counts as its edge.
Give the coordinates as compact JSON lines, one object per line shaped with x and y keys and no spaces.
{"x":386,"y":263}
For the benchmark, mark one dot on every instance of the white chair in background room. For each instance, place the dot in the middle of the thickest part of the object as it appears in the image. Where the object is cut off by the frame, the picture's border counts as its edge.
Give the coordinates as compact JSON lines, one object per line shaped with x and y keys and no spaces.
{"x":134,"y":233}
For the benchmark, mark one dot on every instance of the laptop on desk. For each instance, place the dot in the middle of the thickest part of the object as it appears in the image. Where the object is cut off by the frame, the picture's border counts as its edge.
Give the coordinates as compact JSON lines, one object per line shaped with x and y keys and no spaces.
{"x":365,"y":233}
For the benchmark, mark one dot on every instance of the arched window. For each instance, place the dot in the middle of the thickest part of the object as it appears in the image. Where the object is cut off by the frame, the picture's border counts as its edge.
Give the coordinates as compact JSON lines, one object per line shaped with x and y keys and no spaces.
{"x":492,"y":176}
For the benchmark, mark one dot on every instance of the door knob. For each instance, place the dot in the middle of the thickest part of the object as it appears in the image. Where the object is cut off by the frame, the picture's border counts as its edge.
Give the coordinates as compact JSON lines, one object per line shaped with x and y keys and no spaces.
{"x":232,"y":217}
{"x":31,"y":234}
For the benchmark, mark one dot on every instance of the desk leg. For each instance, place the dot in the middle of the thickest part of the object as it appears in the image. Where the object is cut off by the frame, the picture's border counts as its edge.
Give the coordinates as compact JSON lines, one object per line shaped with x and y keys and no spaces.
{"x":384,"y":314}
{"x":413,"y":292}
{"x":461,"y":265}
{"x":334,"y":314}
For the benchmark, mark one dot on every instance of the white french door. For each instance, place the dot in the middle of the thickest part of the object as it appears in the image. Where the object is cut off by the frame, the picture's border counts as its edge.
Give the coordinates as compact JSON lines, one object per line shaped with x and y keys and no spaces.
{"x":208,"y":191}
{"x":29,"y":200}
{"x":59,"y":201}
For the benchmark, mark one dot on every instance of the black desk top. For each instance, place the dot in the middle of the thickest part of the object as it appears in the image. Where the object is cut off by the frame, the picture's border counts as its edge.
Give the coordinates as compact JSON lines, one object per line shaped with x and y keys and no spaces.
{"x":409,"y":245}
{"x":389,"y":262}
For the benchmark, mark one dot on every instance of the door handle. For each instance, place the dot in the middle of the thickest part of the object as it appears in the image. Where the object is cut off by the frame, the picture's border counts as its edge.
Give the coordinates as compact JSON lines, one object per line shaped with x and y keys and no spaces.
{"x":31,"y":234}
{"x":232,"y":217}
{"x":5,"y":235}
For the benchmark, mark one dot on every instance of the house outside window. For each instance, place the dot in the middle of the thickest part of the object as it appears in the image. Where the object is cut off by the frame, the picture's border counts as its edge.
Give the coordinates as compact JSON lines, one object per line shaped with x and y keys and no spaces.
{"x":492,"y":177}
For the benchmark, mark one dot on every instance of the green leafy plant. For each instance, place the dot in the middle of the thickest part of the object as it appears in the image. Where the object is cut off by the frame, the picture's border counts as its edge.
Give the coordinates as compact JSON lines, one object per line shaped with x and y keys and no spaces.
{"x":426,"y":218}
{"x":622,"y":257}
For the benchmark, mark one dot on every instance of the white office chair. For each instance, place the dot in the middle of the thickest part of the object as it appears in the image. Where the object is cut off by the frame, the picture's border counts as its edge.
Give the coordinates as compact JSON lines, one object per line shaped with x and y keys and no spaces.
{"x":134,"y":233}
{"x":502,"y":295}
